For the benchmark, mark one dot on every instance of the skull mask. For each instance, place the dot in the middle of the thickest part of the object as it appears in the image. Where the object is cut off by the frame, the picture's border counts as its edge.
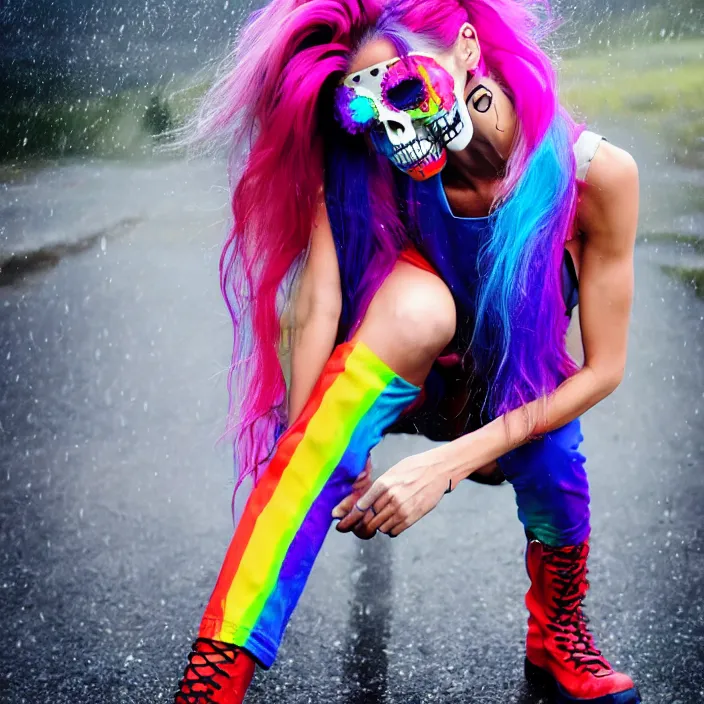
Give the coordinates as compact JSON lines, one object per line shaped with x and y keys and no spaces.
{"x":410,"y":108}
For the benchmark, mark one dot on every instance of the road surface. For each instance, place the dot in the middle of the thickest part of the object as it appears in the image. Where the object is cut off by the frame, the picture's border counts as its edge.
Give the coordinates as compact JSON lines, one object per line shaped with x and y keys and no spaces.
{"x":115,"y":497}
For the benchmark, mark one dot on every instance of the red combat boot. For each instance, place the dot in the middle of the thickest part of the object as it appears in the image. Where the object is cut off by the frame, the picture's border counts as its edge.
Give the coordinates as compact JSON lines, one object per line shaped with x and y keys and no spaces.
{"x":217,"y":673}
{"x":560,"y":651}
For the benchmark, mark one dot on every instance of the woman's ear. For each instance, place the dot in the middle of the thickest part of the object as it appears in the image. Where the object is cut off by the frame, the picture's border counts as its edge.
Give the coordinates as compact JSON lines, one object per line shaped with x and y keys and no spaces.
{"x":467,"y":49}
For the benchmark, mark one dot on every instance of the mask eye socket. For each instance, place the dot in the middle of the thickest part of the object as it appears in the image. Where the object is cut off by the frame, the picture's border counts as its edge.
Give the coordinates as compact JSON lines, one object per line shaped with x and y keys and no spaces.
{"x":404,"y":87}
{"x":407,"y":94}
{"x":481,"y":99}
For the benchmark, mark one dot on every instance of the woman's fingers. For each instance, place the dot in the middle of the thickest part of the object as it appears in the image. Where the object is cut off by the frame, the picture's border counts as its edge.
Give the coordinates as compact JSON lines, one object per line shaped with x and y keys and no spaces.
{"x":390,"y":505}
{"x":393,"y":519}
{"x":397,"y":523}
{"x":397,"y":517}
{"x":363,"y":531}
{"x":363,"y":480}
{"x":369,"y":524}
{"x":396,"y":505}
{"x":399,"y":528}
{"x":345,"y":506}
{"x":361,"y":484}
{"x":393,"y":526}
{"x":366,"y":527}
{"x":395,"y":501}
{"x":375,"y":492}
{"x":377,"y":518}
{"x":353,"y":517}
{"x":362,"y":505}
{"x":389,"y":524}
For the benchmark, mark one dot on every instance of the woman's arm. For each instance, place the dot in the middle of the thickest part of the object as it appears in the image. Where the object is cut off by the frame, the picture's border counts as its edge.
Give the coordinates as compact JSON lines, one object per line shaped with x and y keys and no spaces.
{"x":607,"y":215}
{"x":316,"y":313}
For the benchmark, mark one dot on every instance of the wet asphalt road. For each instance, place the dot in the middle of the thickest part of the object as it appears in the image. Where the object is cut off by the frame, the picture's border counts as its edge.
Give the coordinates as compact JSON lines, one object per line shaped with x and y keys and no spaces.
{"x":115,"y":500}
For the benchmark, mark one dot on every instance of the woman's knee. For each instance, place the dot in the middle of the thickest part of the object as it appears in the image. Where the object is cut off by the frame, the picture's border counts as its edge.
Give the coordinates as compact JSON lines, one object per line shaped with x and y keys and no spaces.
{"x":409,"y":321}
{"x":417,"y":309}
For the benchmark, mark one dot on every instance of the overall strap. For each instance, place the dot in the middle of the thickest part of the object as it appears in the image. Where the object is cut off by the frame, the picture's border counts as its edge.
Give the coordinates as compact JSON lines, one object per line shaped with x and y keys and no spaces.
{"x":584,"y":150}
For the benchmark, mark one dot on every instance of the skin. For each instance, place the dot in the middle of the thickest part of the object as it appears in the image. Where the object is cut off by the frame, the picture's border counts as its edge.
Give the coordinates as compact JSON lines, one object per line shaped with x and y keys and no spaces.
{"x":411,"y":318}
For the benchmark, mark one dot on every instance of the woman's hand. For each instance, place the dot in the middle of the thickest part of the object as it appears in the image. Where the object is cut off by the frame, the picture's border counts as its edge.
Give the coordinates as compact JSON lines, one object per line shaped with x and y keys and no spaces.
{"x":360,"y":487}
{"x":399,"y":498}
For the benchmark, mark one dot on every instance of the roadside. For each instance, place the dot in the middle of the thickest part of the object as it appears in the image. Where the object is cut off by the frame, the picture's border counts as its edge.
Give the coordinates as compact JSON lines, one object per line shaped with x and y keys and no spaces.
{"x":647,"y":99}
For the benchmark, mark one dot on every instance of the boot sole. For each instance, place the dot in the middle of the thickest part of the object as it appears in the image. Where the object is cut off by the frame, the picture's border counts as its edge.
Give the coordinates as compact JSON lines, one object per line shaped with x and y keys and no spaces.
{"x":543,"y":680}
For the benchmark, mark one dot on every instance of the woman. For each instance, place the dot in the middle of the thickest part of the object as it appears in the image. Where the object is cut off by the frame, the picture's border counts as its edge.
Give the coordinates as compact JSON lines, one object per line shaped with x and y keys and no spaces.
{"x":415,"y":159}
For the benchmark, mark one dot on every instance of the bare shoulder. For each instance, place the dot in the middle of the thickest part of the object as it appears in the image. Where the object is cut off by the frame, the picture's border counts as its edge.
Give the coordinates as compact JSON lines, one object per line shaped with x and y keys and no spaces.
{"x":613,"y":173}
{"x":608,"y":200}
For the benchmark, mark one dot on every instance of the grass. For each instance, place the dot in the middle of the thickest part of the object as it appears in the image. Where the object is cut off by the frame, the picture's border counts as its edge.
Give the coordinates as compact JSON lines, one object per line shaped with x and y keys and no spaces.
{"x":589,"y":30}
{"x":102,"y":126}
{"x":692,"y":242}
{"x":123,"y":125}
{"x":689,"y":276}
{"x":659,"y":85}
{"x":648,"y":79}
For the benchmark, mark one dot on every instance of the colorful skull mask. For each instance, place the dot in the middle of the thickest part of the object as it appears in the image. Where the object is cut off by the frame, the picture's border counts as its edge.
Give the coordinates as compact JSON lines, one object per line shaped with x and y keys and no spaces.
{"x":411,"y":110}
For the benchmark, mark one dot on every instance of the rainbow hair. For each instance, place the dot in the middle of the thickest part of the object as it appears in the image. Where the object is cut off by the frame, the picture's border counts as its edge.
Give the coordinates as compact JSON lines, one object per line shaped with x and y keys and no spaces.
{"x":273,"y":106}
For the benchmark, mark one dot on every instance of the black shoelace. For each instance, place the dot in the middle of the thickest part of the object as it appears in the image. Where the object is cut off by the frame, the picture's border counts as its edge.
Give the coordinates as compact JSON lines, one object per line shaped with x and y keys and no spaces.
{"x":570,"y":623}
{"x":201,"y":675}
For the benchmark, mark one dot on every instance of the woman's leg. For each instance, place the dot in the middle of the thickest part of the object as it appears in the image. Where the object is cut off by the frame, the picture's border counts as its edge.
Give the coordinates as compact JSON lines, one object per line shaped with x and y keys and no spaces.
{"x":552,"y":493}
{"x":364,"y":387}
{"x":551,"y":485}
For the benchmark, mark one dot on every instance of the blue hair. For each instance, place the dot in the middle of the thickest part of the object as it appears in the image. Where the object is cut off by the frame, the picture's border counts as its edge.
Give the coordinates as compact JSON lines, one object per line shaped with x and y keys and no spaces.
{"x":520,"y":324}
{"x":362,"y":206}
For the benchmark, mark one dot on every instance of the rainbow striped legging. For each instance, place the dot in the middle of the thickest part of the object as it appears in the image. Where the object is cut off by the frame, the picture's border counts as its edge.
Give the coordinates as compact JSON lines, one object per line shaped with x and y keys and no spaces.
{"x":315,"y":463}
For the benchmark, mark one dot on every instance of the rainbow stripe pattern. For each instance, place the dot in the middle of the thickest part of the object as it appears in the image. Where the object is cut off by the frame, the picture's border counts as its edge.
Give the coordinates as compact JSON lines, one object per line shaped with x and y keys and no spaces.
{"x":288,"y":513}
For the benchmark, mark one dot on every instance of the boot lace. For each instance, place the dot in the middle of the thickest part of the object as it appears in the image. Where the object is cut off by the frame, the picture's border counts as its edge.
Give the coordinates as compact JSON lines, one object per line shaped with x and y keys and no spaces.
{"x":198,"y":685}
{"x":570,"y":623}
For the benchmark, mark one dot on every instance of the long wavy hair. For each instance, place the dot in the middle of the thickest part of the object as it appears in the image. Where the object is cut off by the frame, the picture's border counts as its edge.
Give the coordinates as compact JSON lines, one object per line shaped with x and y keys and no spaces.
{"x":272,"y":104}
{"x":518,"y":344}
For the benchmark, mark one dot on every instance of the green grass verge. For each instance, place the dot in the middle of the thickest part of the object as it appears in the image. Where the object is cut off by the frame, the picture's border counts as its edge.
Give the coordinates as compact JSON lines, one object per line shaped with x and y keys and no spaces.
{"x":688,"y":276}
{"x":692,"y":242}
{"x":649,"y":79}
{"x":587,"y":30}
{"x":658,"y":84}
{"x":127,"y":124}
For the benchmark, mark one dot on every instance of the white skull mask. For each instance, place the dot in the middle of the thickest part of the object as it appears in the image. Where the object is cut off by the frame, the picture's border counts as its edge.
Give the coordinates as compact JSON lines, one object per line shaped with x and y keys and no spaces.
{"x":412,"y":110}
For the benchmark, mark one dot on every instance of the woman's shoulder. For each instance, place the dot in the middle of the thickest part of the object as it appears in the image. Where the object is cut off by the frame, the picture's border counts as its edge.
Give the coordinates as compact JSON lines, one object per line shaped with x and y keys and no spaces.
{"x":601,"y":163}
{"x":609,"y":186}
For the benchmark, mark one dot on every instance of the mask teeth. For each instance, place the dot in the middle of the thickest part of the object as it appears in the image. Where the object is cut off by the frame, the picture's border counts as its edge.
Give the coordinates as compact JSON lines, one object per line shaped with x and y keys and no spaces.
{"x":414,"y":154}
{"x":446,"y":127}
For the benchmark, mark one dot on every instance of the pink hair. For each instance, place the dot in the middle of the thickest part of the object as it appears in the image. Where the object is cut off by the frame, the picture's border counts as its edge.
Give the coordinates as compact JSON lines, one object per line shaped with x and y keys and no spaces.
{"x":517,"y":342}
{"x":264,"y":106}
{"x":508,"y":32}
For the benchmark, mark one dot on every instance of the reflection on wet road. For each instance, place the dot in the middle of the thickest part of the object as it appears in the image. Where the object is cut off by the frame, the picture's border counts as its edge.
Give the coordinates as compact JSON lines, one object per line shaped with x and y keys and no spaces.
{"x":114,"y":498}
